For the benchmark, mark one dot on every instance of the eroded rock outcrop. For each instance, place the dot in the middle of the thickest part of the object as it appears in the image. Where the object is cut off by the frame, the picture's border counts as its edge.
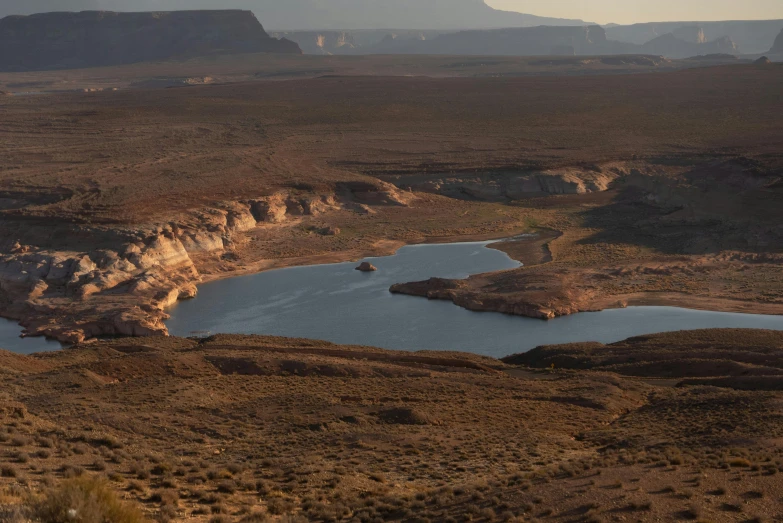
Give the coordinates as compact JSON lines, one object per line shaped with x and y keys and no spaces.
{"x":497,"y":186}
{"x":94,"y":281}
{"x":151,"y":267}
{"x":102,"y":38}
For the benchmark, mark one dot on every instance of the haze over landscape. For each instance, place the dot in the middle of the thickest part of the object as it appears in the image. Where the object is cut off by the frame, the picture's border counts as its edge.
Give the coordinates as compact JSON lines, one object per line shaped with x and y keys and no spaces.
{"x":410,"y":14}
{"x":612,"y":11}
{"x":289,"y":261}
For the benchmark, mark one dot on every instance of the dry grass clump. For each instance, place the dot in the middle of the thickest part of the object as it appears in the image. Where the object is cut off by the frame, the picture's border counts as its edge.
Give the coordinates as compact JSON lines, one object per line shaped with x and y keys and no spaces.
{"x":84,"y":500}
{"x":739,"y":462}
{"x":692,"y":512}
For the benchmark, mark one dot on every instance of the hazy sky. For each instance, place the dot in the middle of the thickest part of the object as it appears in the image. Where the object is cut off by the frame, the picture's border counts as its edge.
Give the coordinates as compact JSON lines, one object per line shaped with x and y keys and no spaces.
{"x":631,"y":11}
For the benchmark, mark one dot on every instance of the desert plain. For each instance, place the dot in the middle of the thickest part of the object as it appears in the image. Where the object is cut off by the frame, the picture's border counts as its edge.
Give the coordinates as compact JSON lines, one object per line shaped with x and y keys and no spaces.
{"x":635,"y":184}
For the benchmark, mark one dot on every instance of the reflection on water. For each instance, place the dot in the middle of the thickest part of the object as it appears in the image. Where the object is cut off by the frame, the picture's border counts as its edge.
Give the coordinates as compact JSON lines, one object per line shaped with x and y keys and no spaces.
{"x":339,"y":304}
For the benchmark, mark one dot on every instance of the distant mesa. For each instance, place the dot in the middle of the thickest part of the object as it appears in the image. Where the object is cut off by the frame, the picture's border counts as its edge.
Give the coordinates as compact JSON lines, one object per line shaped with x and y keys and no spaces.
{"x":322,"y":42}
{"x":514,"y":37}
{"x":589,"y":40}
{"x":527,"y":41}
{"x":692,"y":34}
{"x":675,"y":47}
{"x":102,"y":38}
{"x":574,"y":41}
{"x":777,"y":47}
{"x":750,"y":36}
{"x":322,"y":15}
{"x":366,"y":267}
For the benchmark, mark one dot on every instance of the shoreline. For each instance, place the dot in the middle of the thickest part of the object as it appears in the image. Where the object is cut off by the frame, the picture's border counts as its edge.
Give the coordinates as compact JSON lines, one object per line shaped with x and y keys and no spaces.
{"x":382,"y":248}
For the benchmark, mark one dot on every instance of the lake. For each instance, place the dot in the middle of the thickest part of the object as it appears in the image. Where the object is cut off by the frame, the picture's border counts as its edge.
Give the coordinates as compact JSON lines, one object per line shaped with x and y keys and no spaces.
{"x":10,"y":340}
{"x":339,"y":304}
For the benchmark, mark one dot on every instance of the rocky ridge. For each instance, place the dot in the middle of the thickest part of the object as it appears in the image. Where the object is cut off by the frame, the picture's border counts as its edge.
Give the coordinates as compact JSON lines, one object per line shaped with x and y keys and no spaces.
{"x":497,"y":186}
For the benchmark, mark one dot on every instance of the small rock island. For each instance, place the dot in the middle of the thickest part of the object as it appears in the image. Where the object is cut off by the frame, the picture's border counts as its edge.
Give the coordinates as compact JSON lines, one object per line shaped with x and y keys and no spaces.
{"x":366,"y":267}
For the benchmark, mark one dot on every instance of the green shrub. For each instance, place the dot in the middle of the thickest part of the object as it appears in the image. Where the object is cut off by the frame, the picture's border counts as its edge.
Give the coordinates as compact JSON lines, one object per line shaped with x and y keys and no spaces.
{"x":84,"y":500}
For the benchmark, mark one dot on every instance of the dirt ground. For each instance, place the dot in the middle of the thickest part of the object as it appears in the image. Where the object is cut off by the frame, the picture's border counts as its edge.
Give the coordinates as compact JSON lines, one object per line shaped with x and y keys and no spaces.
{"x":260,"y":428}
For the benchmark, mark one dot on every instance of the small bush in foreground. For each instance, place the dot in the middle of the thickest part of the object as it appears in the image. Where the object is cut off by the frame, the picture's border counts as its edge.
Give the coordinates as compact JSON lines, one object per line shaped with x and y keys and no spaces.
{"x":84,"y":500}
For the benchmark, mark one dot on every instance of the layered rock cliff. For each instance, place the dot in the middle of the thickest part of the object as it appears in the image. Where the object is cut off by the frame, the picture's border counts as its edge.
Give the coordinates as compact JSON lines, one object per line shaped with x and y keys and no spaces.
{"x":100,"y":38}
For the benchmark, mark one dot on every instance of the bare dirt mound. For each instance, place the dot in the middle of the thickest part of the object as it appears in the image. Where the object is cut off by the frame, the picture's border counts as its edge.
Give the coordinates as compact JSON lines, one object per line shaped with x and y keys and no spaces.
{"x":11,"y":363}
{"x":734,"y":355}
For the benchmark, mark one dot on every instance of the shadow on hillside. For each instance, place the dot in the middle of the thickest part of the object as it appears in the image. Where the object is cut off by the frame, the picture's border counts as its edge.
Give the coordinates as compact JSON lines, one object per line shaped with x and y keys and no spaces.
{"x":702,"y":215}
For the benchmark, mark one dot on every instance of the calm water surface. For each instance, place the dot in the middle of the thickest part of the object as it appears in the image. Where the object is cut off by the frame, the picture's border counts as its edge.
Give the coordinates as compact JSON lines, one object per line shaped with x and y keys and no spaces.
{"x":10,"y":340}
{"x":339,"y":304}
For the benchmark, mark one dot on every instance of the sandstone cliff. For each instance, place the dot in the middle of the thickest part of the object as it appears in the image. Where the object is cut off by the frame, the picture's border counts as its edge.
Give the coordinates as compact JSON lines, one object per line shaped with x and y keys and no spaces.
{"x":97,"y":38}
{"x":72,"y":282}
